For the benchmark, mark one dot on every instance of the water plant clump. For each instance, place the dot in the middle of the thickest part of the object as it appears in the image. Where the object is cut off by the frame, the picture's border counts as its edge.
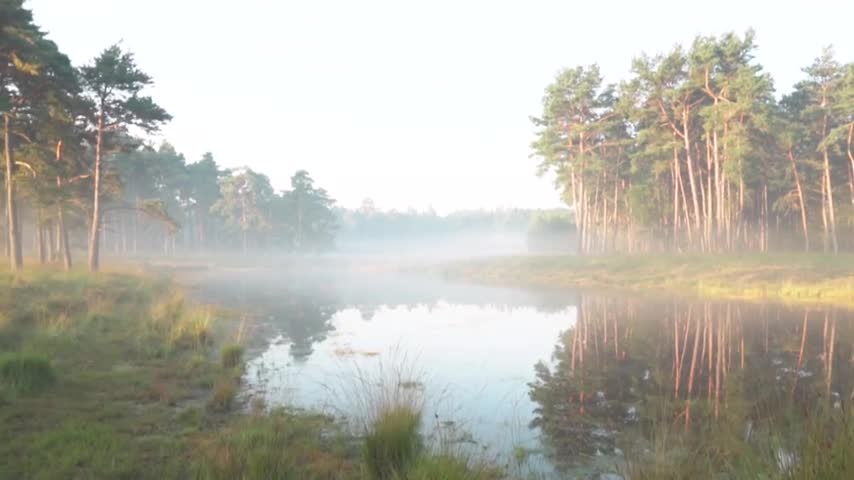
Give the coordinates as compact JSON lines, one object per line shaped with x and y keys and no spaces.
{"x":231,"y":356}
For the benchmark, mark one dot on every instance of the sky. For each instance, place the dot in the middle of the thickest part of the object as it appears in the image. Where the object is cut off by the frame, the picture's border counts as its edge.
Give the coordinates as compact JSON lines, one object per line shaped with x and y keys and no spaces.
{"x":413,"y":104}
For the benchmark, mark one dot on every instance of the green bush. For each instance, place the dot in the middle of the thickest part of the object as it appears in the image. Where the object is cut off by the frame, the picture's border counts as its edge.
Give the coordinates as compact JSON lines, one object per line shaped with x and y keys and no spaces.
{"x":23,"y":373}
{"x":393,"y":442}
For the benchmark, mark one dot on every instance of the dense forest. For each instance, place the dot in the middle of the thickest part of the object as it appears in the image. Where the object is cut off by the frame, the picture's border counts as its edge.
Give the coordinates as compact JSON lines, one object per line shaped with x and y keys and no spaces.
{"x":695,"y":153}
{"x":78,"y":171}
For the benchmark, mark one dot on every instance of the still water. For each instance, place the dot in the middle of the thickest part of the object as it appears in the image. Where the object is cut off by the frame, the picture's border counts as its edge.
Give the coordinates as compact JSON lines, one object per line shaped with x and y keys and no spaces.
{"x":562,"y":377}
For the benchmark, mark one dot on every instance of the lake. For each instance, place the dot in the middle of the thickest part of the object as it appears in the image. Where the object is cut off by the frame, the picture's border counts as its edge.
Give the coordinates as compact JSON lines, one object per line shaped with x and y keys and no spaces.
{"x":552,"y":382}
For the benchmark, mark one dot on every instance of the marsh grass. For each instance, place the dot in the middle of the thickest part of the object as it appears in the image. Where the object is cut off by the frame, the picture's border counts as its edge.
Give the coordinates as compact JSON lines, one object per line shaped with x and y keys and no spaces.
{"x":231,"y":356}
{"x":25,"y":373}
{"x":224,"y":394}
{"x":141,"y":393}
{"x":790,"y":277}
{"x":393,"y":442}
{"x":282,"y":445}
{"x":449,"y":467}
{"x":803,"y":445}
{"x":117,"y":373}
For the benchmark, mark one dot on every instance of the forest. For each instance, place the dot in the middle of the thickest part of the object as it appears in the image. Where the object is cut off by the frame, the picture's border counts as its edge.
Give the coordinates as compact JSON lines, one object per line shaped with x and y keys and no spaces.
{"x":79,"y":172}
{"x":694,"y":152}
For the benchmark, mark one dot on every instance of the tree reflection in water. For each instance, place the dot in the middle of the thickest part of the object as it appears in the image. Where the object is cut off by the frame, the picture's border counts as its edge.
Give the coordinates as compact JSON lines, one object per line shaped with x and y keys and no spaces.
{"x":717,"y":376}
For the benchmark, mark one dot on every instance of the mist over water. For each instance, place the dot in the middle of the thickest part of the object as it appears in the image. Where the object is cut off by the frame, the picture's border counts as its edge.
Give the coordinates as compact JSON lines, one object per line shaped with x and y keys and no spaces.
{"x":560,"y":375}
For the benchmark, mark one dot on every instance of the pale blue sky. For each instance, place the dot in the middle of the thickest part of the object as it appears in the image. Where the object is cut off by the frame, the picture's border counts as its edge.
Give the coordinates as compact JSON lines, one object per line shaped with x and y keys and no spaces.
{"x":410,"y":103}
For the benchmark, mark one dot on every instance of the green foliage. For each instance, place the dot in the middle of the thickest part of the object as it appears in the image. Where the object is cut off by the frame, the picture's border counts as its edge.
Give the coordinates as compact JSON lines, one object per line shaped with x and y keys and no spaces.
{"x":113,"y":83}
{"x":393,"y":442}
{"x":25,"y":373}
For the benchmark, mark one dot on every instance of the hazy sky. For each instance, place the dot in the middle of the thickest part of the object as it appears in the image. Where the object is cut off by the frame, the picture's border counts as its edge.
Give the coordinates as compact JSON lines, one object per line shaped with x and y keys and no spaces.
{"x":410,"y":103}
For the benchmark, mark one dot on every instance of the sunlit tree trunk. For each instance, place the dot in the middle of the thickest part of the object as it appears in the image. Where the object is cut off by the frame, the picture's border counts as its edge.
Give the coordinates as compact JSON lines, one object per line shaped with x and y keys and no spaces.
{"x":61,"y":227}
{"x":16,"y":258}
{"x":831,"y":215}
{"x":802,"y":205}
{"x":686,"y":136}
{"x":95,"y":227}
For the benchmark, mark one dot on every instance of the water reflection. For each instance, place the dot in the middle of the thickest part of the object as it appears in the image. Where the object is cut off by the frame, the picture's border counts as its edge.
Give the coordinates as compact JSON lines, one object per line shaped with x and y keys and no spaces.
{"x":629,"y":366}
{"x":299,"y":308}
{"x":574,"y":379}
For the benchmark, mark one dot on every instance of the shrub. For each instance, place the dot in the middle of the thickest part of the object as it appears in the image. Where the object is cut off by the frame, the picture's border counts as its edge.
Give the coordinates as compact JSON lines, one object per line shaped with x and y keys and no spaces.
{"x":24,"y":373}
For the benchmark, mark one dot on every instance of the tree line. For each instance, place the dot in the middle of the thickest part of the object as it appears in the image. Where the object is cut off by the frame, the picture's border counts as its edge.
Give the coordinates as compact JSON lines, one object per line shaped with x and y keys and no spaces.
{"x":695,"y":153}
{"x":77,"y":170}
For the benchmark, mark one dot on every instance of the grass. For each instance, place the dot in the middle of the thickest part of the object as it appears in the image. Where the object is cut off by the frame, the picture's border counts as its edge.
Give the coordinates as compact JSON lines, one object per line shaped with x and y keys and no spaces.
{"x":393,"y":442}
{"x":282,"y":445}
{"x":794,"y":278}
{"x":231,"y":356}
{"x":449,"y":467}
{"x":800,"y":444}
{"x":105,"y":346}
{"x":118,"y":375}
{"x":22,"y":373}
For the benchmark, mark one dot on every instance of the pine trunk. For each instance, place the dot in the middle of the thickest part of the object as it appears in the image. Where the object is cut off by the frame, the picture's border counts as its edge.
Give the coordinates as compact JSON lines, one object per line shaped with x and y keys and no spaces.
{"x":95,"y":229}
{"x":16,"y":258}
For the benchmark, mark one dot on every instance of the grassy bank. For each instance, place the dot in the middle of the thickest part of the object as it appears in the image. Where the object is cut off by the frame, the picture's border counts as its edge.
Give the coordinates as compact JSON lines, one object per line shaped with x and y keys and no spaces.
{"x":119,"y":376}
{"x":797,"y":278}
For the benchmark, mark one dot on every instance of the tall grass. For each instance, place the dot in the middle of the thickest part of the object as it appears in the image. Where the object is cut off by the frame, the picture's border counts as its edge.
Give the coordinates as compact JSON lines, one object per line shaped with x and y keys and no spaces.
{"x":281,"y":445}
{"x":25,"y":373}
{"x":393,"y":442}
{"x":231,"y":356}
{"x":815,"y":445}
{"x":449,"y":467}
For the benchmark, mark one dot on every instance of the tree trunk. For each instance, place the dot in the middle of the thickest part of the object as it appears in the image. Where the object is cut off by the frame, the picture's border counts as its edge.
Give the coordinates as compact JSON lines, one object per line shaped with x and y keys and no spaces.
{"x":40,"y":248}
{"x":63,"y":236}
{"x":16,"y":259}
{"x":691,"y":179}
{"x":50,"y":242}
{"x":802,"y":203}
{"x":94,"y":232}
{"x":851,"y":161}
{"x":831,"y":216}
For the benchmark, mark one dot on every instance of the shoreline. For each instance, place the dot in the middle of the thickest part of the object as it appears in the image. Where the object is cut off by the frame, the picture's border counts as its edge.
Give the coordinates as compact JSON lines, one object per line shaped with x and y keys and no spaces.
{"x":802,"y":279}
